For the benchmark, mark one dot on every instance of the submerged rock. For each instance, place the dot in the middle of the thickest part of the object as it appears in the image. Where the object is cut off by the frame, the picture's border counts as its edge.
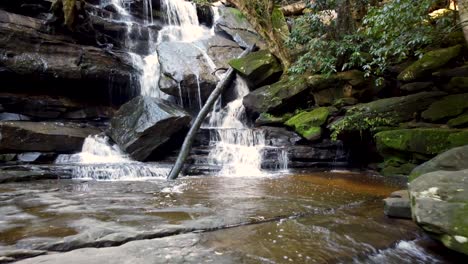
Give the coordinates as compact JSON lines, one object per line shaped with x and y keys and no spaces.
{"x":26,"y":136}
{"x":439,"y":204}
{"x":452,"y":160}
{"x":258,"y":67}
{"x":429,"y":63}
{"x":142,"y":125}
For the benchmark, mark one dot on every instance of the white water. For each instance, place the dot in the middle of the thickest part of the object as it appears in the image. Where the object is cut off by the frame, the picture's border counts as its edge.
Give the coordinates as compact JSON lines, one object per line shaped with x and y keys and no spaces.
{"x":238,"y":149}
{"x":100,"y":160}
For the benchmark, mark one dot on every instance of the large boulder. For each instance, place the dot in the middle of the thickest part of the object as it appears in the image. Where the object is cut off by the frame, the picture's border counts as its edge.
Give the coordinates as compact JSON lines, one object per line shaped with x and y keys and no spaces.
{"x":452,"y":160}
{"x":188,"y":69}
{"x":258,"y":67}
{"x":21,"y":136}
{"x":429,"y":63}
{"x":308,"y":123}
{"x":447,"y":107}
{"x":32,"y":60}
{"x":235,"y":24}
{"x":143,"y":124}
{"x":389,"y":112}
{"x":439,"y":204}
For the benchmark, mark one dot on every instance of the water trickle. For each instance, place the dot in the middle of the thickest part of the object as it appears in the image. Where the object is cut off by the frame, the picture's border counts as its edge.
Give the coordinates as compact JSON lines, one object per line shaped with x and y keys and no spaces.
{"x":238,"y":149}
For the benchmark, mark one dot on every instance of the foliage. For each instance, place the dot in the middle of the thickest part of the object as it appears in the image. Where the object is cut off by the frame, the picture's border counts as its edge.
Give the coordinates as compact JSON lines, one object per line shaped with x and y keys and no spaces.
{"x":387,"y":34}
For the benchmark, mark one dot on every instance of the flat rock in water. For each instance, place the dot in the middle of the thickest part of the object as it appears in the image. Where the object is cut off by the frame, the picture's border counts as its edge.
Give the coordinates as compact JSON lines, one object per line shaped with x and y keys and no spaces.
{"x":398,"y":205}
{"x":26,"y":136}
{"x":142,"y":125}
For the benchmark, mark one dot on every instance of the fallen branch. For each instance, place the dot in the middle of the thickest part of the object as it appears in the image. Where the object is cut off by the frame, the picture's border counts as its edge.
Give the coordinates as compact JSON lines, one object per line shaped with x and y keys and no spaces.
{"x":185,"y":150}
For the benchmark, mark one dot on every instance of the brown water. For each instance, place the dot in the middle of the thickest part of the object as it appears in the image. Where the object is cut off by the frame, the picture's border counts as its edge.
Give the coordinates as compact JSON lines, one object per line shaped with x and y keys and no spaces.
{"x":301,"y":218}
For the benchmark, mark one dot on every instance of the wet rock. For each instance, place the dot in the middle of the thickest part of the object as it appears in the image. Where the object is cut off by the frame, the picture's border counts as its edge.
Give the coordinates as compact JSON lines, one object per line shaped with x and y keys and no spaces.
{"x":280,"y":136}
{"x":452,"y":160}
{"x":177,"y":249}
{"x":461,"y":71}
{"x":7,"y":175}
{"x":308,"y":123}
{"x":140,"y":126}
{"x":398,"y":205}
{"x":389,"y":112}
{"x":258,"y":67}
{"x":188,"y":69}
{"x":449,"y":106}
{"x":19,"y":136}
{"x":429,"y":63}
{"x":13,"y":117}
{"x":439,"y":206}
{"x":235,"y":24}
{"x":53,"y":64}
{"x":10,"y":255}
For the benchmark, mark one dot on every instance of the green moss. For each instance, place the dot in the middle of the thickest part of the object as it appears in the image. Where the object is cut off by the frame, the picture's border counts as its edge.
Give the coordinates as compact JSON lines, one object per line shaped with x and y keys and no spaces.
{"x":279,"y":22}
{"x":307,"y":123}
{"x":267,"y":118}
{"x":427,"y":141}
{"x":460,"y":121}
{"x":449,"y":106}
{"x":430,"y":62}
{"x":403,"y":169}
{"x":457,"y":85}
{"x":257,"y":66}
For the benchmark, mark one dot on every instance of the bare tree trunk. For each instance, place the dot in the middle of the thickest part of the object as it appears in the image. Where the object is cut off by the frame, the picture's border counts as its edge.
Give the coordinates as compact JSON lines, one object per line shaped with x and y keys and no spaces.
{"x":187,"y":145}
{"x":463,"y":11}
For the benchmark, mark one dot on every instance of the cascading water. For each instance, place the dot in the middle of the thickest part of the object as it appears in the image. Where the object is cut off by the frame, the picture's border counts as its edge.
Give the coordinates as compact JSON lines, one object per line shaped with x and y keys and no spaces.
{"x":238,"y":149}
{"x":100,"y":160}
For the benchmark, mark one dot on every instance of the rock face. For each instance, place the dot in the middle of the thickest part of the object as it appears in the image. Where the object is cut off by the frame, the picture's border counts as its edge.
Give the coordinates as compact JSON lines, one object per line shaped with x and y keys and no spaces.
{"x":258,"y":67}
{"x":452,"y":160}
{"x":34,"y":60}
{"x":20,"y":136}
{"x":429,"y":63}
{"x":142,"y":125}
{"x":439,"y":204}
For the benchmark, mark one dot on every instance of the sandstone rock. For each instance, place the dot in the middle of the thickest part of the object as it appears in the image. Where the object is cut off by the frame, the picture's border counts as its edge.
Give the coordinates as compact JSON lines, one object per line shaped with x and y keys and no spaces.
{"x":142,"y":125}
{"x":452,"y":160}
{"x":460,"y":121}
{"x":308,"y":123}
{"x":417,"y":86}
{"x":398,"y":205}
{"x":440,"y":206}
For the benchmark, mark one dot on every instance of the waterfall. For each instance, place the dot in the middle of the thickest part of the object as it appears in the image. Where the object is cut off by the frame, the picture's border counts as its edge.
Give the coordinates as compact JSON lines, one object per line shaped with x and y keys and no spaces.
{"x":238,"y":149}
{"x":101,"y":160}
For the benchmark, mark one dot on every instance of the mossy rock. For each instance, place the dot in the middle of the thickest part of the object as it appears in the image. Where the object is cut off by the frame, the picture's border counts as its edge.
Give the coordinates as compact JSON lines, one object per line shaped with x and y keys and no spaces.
{"x":427,"y":141}
{"x":389,"y":112}
{"x":257,"y":67}
{"x":307,"y":123}
{"x":346,"y":101}
{"x":429,"y":63}
{"x":459,"y":122}
{"x":447,"y":107}
{"x":457,"y":85}
{"x":269,"y":119}
{"x":279,"y":23}
{"x":288,"y":94}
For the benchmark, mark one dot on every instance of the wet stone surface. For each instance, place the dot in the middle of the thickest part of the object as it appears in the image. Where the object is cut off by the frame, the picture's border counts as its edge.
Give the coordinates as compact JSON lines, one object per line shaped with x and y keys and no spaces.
{"x":303,"y":218}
